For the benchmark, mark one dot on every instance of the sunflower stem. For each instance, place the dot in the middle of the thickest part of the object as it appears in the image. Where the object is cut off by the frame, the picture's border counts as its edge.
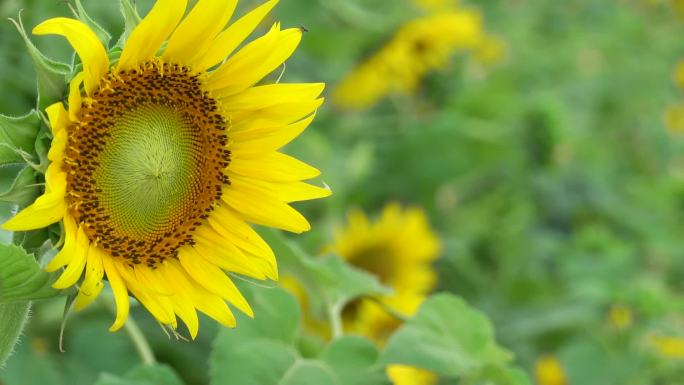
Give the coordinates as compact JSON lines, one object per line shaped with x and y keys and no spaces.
{"x":139,"y":341}
{"x":335,"y":313}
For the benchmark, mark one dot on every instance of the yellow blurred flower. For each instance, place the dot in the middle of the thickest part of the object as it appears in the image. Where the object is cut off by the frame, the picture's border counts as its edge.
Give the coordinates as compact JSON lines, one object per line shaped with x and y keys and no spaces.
{"x":409,"y":375}
{"x":678,"y":74}
{"x":549,"y":371}
{"x":435,"y":5}
{"x":674,"y":118}
{"x":668,"y":346}
{"x":419,"y":47}
{"x":620,"y":317}
{"x":398,"y":249}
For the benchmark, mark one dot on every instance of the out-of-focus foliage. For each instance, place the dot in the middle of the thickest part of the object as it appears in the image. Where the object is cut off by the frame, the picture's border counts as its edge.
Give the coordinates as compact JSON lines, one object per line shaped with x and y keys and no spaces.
{"x":549,"y":175}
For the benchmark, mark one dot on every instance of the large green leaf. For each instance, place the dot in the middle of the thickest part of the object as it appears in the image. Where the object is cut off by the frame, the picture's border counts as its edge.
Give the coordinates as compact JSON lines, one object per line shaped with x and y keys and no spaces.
{"x":261,"y":351}
{"x":449,"y":338}
{"x":355,"y":361}
{"x":21,"y":278}
{"x":143,"y":375}
{"x":18,"y":137}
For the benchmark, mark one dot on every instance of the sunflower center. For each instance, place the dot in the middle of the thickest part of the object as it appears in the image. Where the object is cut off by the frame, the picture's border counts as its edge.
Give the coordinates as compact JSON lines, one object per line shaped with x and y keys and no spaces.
{"x":145,"y":162}
{"x":147,"y":171}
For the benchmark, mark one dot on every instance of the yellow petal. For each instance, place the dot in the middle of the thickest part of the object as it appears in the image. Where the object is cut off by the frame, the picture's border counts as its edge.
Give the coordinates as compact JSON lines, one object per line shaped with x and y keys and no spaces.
{"x":182,"y":302}
{"x":260,"y":136}
{"x":87,"y":46}
{"x":92,"y":283}
{"x":68,"y":250}
{"x":185,"y":310}
{"x":286,"y":191}
{"x":263,"y":208}
{"x":75,"y":96}
{"x":232,"y":37}
{"x":149,"y":35}
{"x":57,"y":147}
{"x":253,"y":62}
{"x":197,"y":31}
{"x":212,"y":279}
{"x":219,"y":251}
{"x":120,"y":293}
{"x":58,"y":117}
{"x":299,"y":191}
{"x":284,"y":113}
{"x":273,"y":166}
{"x":229,"y":224}
{"x":77,"y":263}
{"x":159,"y":306}
{"x":49,"y":208}
{"x":151,"y":280}
{"x":256,"y":98}
{"x":209,"y":304}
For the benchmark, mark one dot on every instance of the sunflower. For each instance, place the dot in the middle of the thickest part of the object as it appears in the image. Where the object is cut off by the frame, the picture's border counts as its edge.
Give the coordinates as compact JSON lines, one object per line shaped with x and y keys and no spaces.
{"x":419,"y":47}
{"x":161,"y":159}
{"x":548,"y":370}
{"x":398,"y":249}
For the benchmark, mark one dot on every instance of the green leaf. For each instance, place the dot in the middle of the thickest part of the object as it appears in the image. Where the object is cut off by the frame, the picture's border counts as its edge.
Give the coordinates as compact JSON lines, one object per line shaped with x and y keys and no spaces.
{"x":18,"y":137}
{"x":12,"y":318}
{"x":21,"y":188}
{"x":261,"y":351}
{"x":21,"y":278}
{"x":51,"y":75}
{"x":143,"y":375}
{"x":355,"y":361}
{"x":446,"y":337}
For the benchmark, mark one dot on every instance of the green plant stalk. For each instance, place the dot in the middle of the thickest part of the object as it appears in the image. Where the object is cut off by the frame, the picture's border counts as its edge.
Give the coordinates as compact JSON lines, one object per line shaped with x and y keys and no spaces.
{"x":139,"y":341}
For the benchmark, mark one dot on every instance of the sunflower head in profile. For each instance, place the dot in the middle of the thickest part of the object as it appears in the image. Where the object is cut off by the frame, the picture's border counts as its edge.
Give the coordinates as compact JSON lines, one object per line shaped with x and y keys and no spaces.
{"x":398,"y":249}
{"x":161,"y":159}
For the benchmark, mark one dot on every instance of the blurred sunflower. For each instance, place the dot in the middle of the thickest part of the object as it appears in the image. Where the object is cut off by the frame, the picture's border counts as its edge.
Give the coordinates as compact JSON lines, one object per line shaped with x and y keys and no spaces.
{"x":165,"y":155}
{"x":668,"y":346}
{"x":419,"y":47}
{"x":435,"y":5}
{"x":548,"y":370}
{"x":398,"y":249}
{"x":674,"y":113}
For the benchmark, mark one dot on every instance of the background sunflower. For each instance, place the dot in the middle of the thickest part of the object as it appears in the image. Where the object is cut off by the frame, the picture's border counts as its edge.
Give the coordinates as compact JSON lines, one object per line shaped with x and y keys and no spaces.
{"x":546,"y":157}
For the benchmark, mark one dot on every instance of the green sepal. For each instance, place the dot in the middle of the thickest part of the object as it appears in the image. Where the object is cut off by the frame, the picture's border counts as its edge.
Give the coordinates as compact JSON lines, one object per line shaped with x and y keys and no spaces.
{"x":50,"y":75}
{"x":82,"y":15}
{"x":22,"y":279}
{"x":18,"y":138}
{"x":21,"y":188}
{"x":131,"y":20}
